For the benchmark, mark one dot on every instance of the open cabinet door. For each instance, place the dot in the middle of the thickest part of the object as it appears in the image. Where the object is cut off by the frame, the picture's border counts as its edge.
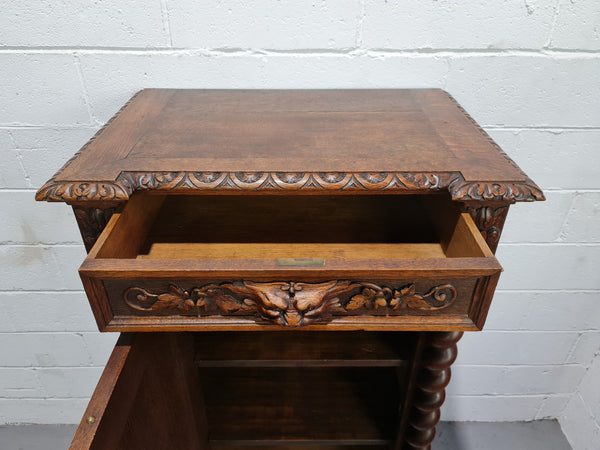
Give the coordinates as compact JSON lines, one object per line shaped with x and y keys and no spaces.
{"x":148,"y":397}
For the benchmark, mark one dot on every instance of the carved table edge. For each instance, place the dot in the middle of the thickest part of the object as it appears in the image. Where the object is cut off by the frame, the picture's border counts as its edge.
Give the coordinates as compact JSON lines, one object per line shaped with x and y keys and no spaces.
{"x":186,"y":181}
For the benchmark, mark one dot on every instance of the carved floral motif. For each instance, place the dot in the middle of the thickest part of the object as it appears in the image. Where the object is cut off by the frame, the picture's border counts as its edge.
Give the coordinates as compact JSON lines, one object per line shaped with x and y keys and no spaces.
{"x":288,"y":303}
{"x":373,"y":296}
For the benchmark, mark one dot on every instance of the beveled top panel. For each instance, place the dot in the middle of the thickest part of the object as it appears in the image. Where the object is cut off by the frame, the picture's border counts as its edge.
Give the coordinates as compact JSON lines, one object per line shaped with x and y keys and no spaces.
{"x":295,"y":140}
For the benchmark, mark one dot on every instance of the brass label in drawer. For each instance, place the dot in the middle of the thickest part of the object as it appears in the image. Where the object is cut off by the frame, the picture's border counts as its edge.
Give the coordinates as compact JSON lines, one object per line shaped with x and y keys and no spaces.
{"x":301,"y":262}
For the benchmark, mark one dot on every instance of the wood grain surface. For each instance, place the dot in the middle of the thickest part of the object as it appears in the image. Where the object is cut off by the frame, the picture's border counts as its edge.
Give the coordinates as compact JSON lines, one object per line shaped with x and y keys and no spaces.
{"x":303,"y":140}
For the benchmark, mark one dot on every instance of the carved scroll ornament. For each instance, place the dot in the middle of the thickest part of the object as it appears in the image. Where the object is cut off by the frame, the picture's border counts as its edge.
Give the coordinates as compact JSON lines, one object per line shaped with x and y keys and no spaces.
{"x":289,"y":303}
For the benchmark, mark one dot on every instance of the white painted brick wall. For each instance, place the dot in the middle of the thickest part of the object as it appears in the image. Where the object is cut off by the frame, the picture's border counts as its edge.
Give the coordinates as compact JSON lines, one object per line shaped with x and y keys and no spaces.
{"x":577,"y":25}
{"x":526,"y":70}
{"x":73,"y":23}
{"x":417,"y":24}
{"x":542,"y":152}
{"x":273,"y":25}
{"x":39,"y":90}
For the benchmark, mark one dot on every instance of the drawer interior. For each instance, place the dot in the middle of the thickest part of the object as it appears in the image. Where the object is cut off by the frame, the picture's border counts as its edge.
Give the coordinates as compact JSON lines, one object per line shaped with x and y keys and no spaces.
{"x":292,"y":229}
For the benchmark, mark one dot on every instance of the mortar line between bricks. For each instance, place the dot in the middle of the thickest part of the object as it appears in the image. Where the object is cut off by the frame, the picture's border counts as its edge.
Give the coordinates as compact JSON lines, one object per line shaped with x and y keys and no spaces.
{"x":541,"y":406}
{"x":586,"y":405}
{"x":93,"y":127}
{"x":53,"y":397}
{"x":19,"y":158}
{"x":511,"y":366}
{"x":546,"y":291}
{"x":57,"y":127}
{"x":563,"y":231}
{"x":358,"y":40}
{"x":11,"y":137}
{"x":495,"y":366}
{"x":42,"y":368}
{"x":573,"y":190}
{"x":504,"y":244}
{"x":550,"y":244}
{"x":75,"y":333}
{"x":553,"y":24}
{"x":562,"y":394}
{"x":529,"y":331}
{"x":586,"y":190}
{"x":564,"y":190}
{"x":164,"y":9}
{"x":46,"y":291}
{"x":540,"y":128}
{"x":45,"y":245}
{"x":506,"y":291}
{"x":347,"y":51}
{"x":72,"y":333}
{"x":40,"y":386}
{"x":32,"y":190}
{"x":84,"y":92}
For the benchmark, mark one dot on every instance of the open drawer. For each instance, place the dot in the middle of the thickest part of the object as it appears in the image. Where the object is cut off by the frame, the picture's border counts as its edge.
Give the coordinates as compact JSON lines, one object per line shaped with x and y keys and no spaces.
{"x":205,"y":262}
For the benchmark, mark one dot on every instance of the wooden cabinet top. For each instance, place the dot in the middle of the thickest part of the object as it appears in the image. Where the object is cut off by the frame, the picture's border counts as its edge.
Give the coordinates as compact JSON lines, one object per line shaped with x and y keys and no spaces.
{"x":291,"y":141}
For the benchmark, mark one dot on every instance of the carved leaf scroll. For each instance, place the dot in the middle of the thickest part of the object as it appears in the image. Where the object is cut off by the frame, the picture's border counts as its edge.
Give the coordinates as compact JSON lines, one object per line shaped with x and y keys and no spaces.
{"x":290,"y":303}
{"x":373,"y":296}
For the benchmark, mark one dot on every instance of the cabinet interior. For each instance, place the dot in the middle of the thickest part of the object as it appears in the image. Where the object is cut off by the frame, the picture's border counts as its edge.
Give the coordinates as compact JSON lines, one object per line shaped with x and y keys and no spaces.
{"x":288,"y":389}
{"x":295,"y":388}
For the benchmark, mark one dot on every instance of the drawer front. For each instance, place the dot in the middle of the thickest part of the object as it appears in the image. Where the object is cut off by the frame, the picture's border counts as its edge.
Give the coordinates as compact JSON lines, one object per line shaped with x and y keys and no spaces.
{"x":143,"y":275}
{"x":203,"y":304}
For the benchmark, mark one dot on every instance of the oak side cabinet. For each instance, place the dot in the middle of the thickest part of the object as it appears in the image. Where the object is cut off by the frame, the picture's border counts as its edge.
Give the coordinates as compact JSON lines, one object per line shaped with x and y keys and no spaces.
{"x":287,"y":268}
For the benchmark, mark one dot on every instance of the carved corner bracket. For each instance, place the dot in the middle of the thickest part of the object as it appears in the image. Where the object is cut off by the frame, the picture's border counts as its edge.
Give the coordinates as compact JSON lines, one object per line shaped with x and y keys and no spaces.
{"x":489,"y":221}
{"x":508,"y":191}
{"x":289,"y":303}
{"x":91,"y":222}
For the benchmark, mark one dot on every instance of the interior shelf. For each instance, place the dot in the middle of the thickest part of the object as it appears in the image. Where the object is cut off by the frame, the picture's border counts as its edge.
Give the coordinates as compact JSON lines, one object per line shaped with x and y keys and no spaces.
{"x":300,"y":406}
{"x":315,"y":349}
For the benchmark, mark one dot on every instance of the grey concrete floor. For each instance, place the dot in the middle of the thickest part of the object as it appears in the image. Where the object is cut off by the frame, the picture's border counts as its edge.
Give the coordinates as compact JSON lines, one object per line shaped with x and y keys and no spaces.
{"x":36,"y":437}
{"x":539,"y":435}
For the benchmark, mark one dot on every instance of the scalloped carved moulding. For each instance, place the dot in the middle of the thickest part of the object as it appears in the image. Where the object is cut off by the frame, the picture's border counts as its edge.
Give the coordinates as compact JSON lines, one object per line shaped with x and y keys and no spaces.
{"x":129,"y":182}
